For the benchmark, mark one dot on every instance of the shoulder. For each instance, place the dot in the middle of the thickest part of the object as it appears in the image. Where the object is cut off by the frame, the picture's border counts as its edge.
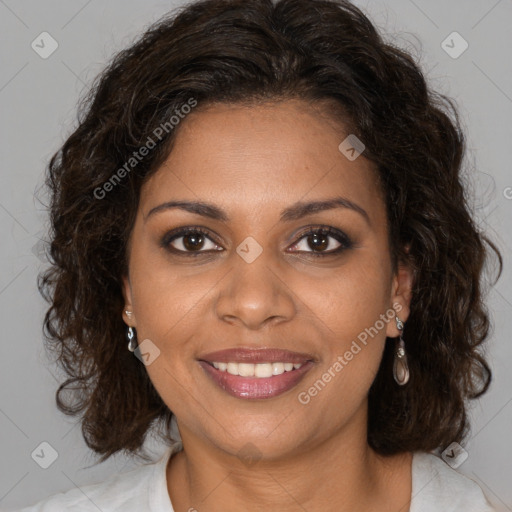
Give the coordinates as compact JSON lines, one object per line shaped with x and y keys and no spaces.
{"x":142,"y":488}
{"x":436,"y":486}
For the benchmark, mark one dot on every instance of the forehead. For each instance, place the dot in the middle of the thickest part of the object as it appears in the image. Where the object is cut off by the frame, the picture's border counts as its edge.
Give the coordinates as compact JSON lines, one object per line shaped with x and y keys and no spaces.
{"x":262,"y":157}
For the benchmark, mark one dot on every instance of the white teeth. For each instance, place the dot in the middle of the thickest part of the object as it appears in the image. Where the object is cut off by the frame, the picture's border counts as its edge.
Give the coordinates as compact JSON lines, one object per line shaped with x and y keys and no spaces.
{"x":263,"y":370}
{"x":245,"y":370}
{"x":232,"y":368}
{"x":277,"y":368}
{"x":259,"y":370}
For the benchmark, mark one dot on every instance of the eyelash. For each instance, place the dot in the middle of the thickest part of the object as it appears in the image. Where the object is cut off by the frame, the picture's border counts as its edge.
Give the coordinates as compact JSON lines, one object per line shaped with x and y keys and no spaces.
{"x":339,"y":236}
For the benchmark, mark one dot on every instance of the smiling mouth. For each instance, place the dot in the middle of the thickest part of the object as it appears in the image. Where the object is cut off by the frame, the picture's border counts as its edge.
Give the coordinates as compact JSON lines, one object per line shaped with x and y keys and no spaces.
{"x":256,"y":374}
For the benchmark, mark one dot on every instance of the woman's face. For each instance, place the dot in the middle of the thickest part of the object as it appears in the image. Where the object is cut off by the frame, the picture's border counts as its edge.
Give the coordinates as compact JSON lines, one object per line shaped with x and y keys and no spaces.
{"x":256,"y":280}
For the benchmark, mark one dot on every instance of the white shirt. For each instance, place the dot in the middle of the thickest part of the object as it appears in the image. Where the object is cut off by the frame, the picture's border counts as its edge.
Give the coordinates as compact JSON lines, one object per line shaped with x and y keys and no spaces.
{"x":436,"y":487}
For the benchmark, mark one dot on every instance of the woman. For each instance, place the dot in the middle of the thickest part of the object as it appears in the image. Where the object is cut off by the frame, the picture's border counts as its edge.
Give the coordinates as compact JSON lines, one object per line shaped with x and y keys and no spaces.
{"x":265,"y":199}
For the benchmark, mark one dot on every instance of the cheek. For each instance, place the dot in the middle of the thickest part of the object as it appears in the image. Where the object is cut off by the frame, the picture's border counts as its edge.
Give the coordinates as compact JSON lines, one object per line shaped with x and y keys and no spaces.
{"x":352,"y":298}
{"x":166,"y":297}
{"x":169,"y":305}
{"x":351,"y":309}
{"x":353,"y":316}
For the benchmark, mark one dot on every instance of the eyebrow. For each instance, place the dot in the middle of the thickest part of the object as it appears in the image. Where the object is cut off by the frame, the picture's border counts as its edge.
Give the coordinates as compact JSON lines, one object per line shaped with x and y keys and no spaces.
{"x":295,"y":212}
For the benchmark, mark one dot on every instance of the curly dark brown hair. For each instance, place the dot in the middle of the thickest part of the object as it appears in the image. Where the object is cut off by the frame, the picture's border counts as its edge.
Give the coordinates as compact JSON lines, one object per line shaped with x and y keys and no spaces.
{"x":249,"y":52}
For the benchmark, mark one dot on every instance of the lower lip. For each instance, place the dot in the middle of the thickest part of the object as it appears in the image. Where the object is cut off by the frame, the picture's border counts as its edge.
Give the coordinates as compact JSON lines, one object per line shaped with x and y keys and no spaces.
{"x":255,"y":388}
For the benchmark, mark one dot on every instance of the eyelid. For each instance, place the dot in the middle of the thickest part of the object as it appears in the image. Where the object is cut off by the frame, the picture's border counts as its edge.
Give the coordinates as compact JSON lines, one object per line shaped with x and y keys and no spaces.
{"x":181,"y":232}
{"x":326,"y":230}
{"x":343,"y":239}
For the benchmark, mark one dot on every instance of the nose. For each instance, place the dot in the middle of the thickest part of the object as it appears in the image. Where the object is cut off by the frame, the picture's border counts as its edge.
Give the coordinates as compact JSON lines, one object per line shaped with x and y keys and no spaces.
{"x":255,"y":294}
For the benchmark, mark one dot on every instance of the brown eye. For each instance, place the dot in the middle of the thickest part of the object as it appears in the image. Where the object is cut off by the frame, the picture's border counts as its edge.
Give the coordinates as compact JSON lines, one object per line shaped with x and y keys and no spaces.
{"x":193,"y":241}
{"x":318,"y":241}
{"x":323,"y":242}
{"x":189,"y":241}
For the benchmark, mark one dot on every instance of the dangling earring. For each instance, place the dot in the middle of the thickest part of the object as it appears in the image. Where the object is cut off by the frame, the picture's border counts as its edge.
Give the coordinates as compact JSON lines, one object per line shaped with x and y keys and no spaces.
{"x":400,"y":366}
{"x":132,"y":339}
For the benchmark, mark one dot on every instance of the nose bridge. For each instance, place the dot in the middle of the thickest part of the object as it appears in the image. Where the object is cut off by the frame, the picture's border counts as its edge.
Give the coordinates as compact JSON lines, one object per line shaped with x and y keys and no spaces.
{"x":254,"y":291}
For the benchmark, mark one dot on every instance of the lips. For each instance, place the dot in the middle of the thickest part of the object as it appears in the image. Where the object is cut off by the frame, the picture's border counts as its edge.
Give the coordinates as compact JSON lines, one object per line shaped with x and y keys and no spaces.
{"x":250,"y":387}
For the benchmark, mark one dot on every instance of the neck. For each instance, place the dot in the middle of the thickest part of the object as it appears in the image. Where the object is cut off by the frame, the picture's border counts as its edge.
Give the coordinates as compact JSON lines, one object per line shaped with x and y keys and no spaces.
{"x":340,"y":473}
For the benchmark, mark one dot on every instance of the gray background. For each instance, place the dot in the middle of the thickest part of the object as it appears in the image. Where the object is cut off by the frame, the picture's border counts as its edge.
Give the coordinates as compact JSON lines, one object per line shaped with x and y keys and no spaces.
{"x":38,"y":98}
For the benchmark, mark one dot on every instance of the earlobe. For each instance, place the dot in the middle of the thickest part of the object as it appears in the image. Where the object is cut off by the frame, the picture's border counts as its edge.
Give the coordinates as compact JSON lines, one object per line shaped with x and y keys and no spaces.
{"x":403,"y":283}
{"x":401,"y":294}
{"x":128,"y":314}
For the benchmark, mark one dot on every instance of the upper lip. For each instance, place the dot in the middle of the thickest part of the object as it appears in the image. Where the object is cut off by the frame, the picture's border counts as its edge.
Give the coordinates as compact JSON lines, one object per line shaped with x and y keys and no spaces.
{"x":263,"y":355}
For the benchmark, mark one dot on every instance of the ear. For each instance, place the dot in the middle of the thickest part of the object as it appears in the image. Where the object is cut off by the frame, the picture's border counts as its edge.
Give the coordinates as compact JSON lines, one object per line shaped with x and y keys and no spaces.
{"x":128,"y":313}
{"x":401,"y":293}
